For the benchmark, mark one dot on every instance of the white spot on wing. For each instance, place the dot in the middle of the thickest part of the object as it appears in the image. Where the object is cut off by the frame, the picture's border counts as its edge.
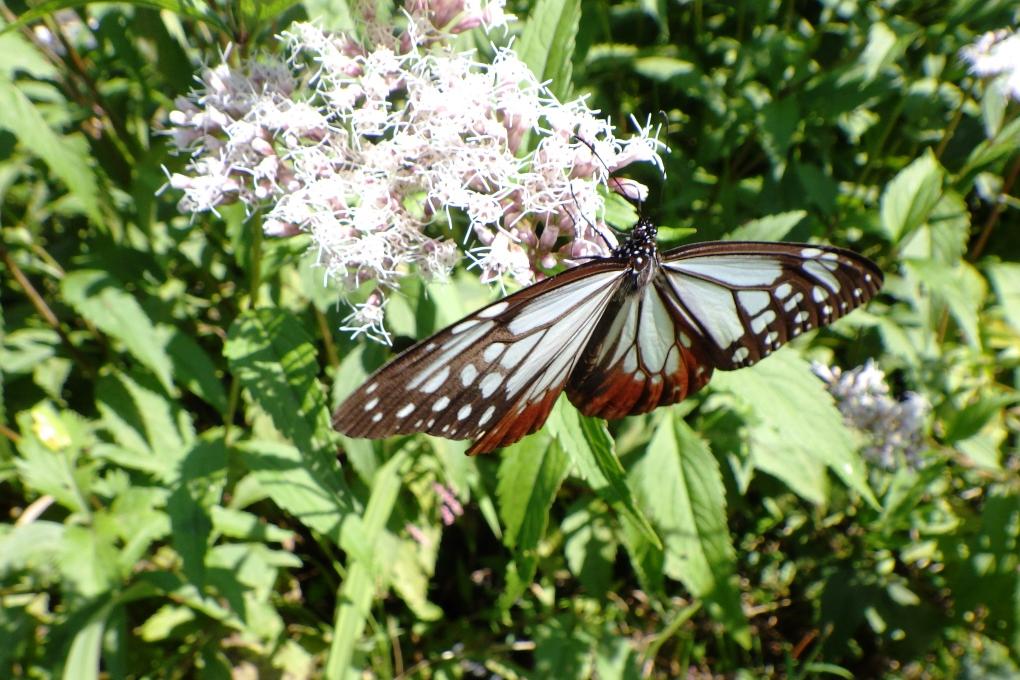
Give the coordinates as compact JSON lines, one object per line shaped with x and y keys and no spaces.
{"x":436,"y":381}
{"x":486,"y":415}
{"x":371,"y":388}
{"x":405,"y":411}
{"x":464,"y":412}
{"x":819,"y":272}
{"x":468,"y":374}
{"x":489,"y":384}
{"x":672,"y":361}
{"x":377,"y":417}
{"x":493,"y":310}
{"x":783,"y":291}
{"x":793,"y":302}
{"x":441,"y":403}
{"x":818,"y":294}
{"x":759,"y":323}
{"x":464,"y":325}
{"x":491,"y":352}
{"x":753,"y":301}
{"x":812,"y":252}
{"x":371,"y":404}
{"x":741,"y":354}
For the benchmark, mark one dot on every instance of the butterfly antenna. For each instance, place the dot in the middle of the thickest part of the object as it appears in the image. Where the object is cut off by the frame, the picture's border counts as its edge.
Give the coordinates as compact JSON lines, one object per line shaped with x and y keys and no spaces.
{"x":621,"y":189}
{"x":590,"y":223}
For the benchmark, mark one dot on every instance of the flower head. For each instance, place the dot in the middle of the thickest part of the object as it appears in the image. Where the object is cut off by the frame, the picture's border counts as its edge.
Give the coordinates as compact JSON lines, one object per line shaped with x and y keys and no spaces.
{"x":996,"y":54}
{"x":377,"y":146}
{"x":892,"y":428}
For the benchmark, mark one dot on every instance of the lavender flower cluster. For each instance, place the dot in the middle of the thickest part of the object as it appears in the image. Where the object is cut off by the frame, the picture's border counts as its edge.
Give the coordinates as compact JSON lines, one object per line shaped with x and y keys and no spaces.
{"x":996,"y":55}
{"x":364,"y":142}
{"x":894,"y":430}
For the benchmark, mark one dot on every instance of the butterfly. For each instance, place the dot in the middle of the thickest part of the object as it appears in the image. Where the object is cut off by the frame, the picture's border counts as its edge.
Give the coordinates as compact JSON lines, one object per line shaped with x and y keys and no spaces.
{"x":622,"y":335}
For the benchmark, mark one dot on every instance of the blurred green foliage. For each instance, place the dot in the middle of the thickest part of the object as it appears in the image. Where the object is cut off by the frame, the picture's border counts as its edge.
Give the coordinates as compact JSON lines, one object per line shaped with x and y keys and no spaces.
{"x":177,"y":504}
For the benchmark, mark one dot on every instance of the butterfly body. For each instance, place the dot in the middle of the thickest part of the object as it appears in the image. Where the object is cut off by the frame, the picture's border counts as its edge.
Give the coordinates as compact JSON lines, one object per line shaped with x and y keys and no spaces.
{"x":621,"y":335}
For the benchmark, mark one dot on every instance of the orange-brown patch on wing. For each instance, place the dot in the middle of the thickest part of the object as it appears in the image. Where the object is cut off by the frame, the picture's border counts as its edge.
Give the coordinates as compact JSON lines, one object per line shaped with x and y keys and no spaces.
{"x":516,"y":424}
{"x":615,"y":393}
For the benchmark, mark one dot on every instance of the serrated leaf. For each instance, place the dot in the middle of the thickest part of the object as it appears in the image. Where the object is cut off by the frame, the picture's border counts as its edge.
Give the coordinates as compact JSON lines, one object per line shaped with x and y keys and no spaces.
{"x":66,"y":156}
{"x":530,"y":473}
{"x":591,"y":449}
{"x":794,"y":419}
{"x":46,"y":462}
{"x":142,"y":419}
{"x":959,"y":287}
{"x":547,"y":44}
{"x":315,"y":494}
{"x":103,"y":302}
{"x":680,"y":485}
{"x":200,"y":480}
{"x":911,"y":195}
{"x":276,"y":362}
{"x":193,"y":368}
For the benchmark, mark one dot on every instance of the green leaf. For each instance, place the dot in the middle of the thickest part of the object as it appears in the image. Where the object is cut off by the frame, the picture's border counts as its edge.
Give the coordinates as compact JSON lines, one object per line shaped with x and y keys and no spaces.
{"x":103,"y":302}
{"x":991,"y":152}
{"x":49,"y":447}
{"x":970,"y":420}
{"x":200,"y":482}
{"x":83,"y":658}
{"x":66,"y":156}
{"x":591,"y":449}
{"x":680,"y":485}
{"x":193,"y":368}
{"x":530,"y":473}
{"x":1005,"y":277}
{"x":355,"y":597}
{"x":142,"y":419}
{"x":769,"y":228}
{"x":910,"y":196}
{"x":190,"y":8}
{"x":547,"y":44}
{"x":959,"y":287}
{"x":795,"y":422}
{"x":590,"y":546}
{"x":313,"y":491}
{"x":276,"y":362}
{"x":664,"y":69}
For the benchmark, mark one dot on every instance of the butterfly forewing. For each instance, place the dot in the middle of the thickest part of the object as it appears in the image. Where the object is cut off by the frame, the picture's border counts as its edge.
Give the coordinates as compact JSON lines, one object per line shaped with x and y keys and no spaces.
{"x":494,"y":375}
{"x":747,"y":299}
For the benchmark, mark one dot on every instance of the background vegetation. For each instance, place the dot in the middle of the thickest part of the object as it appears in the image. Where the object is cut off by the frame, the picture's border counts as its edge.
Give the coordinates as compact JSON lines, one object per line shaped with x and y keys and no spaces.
{"x":177,"y":505}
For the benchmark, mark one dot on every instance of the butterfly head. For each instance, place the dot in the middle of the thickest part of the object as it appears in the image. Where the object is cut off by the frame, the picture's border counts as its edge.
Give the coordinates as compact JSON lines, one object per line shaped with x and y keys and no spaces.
{"x":640,"y":248}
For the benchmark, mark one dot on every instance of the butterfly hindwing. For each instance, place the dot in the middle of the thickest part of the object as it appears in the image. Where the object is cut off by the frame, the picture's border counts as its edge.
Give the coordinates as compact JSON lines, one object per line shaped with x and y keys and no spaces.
{"x":641,"y":357}
{"x":494,"y":375}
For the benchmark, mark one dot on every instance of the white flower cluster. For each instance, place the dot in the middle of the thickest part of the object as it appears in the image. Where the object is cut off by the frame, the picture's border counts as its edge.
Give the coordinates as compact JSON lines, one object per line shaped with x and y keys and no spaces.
{"x":892,"y":428}
{"x":366,"y":145}
{"x":996,"y":54}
